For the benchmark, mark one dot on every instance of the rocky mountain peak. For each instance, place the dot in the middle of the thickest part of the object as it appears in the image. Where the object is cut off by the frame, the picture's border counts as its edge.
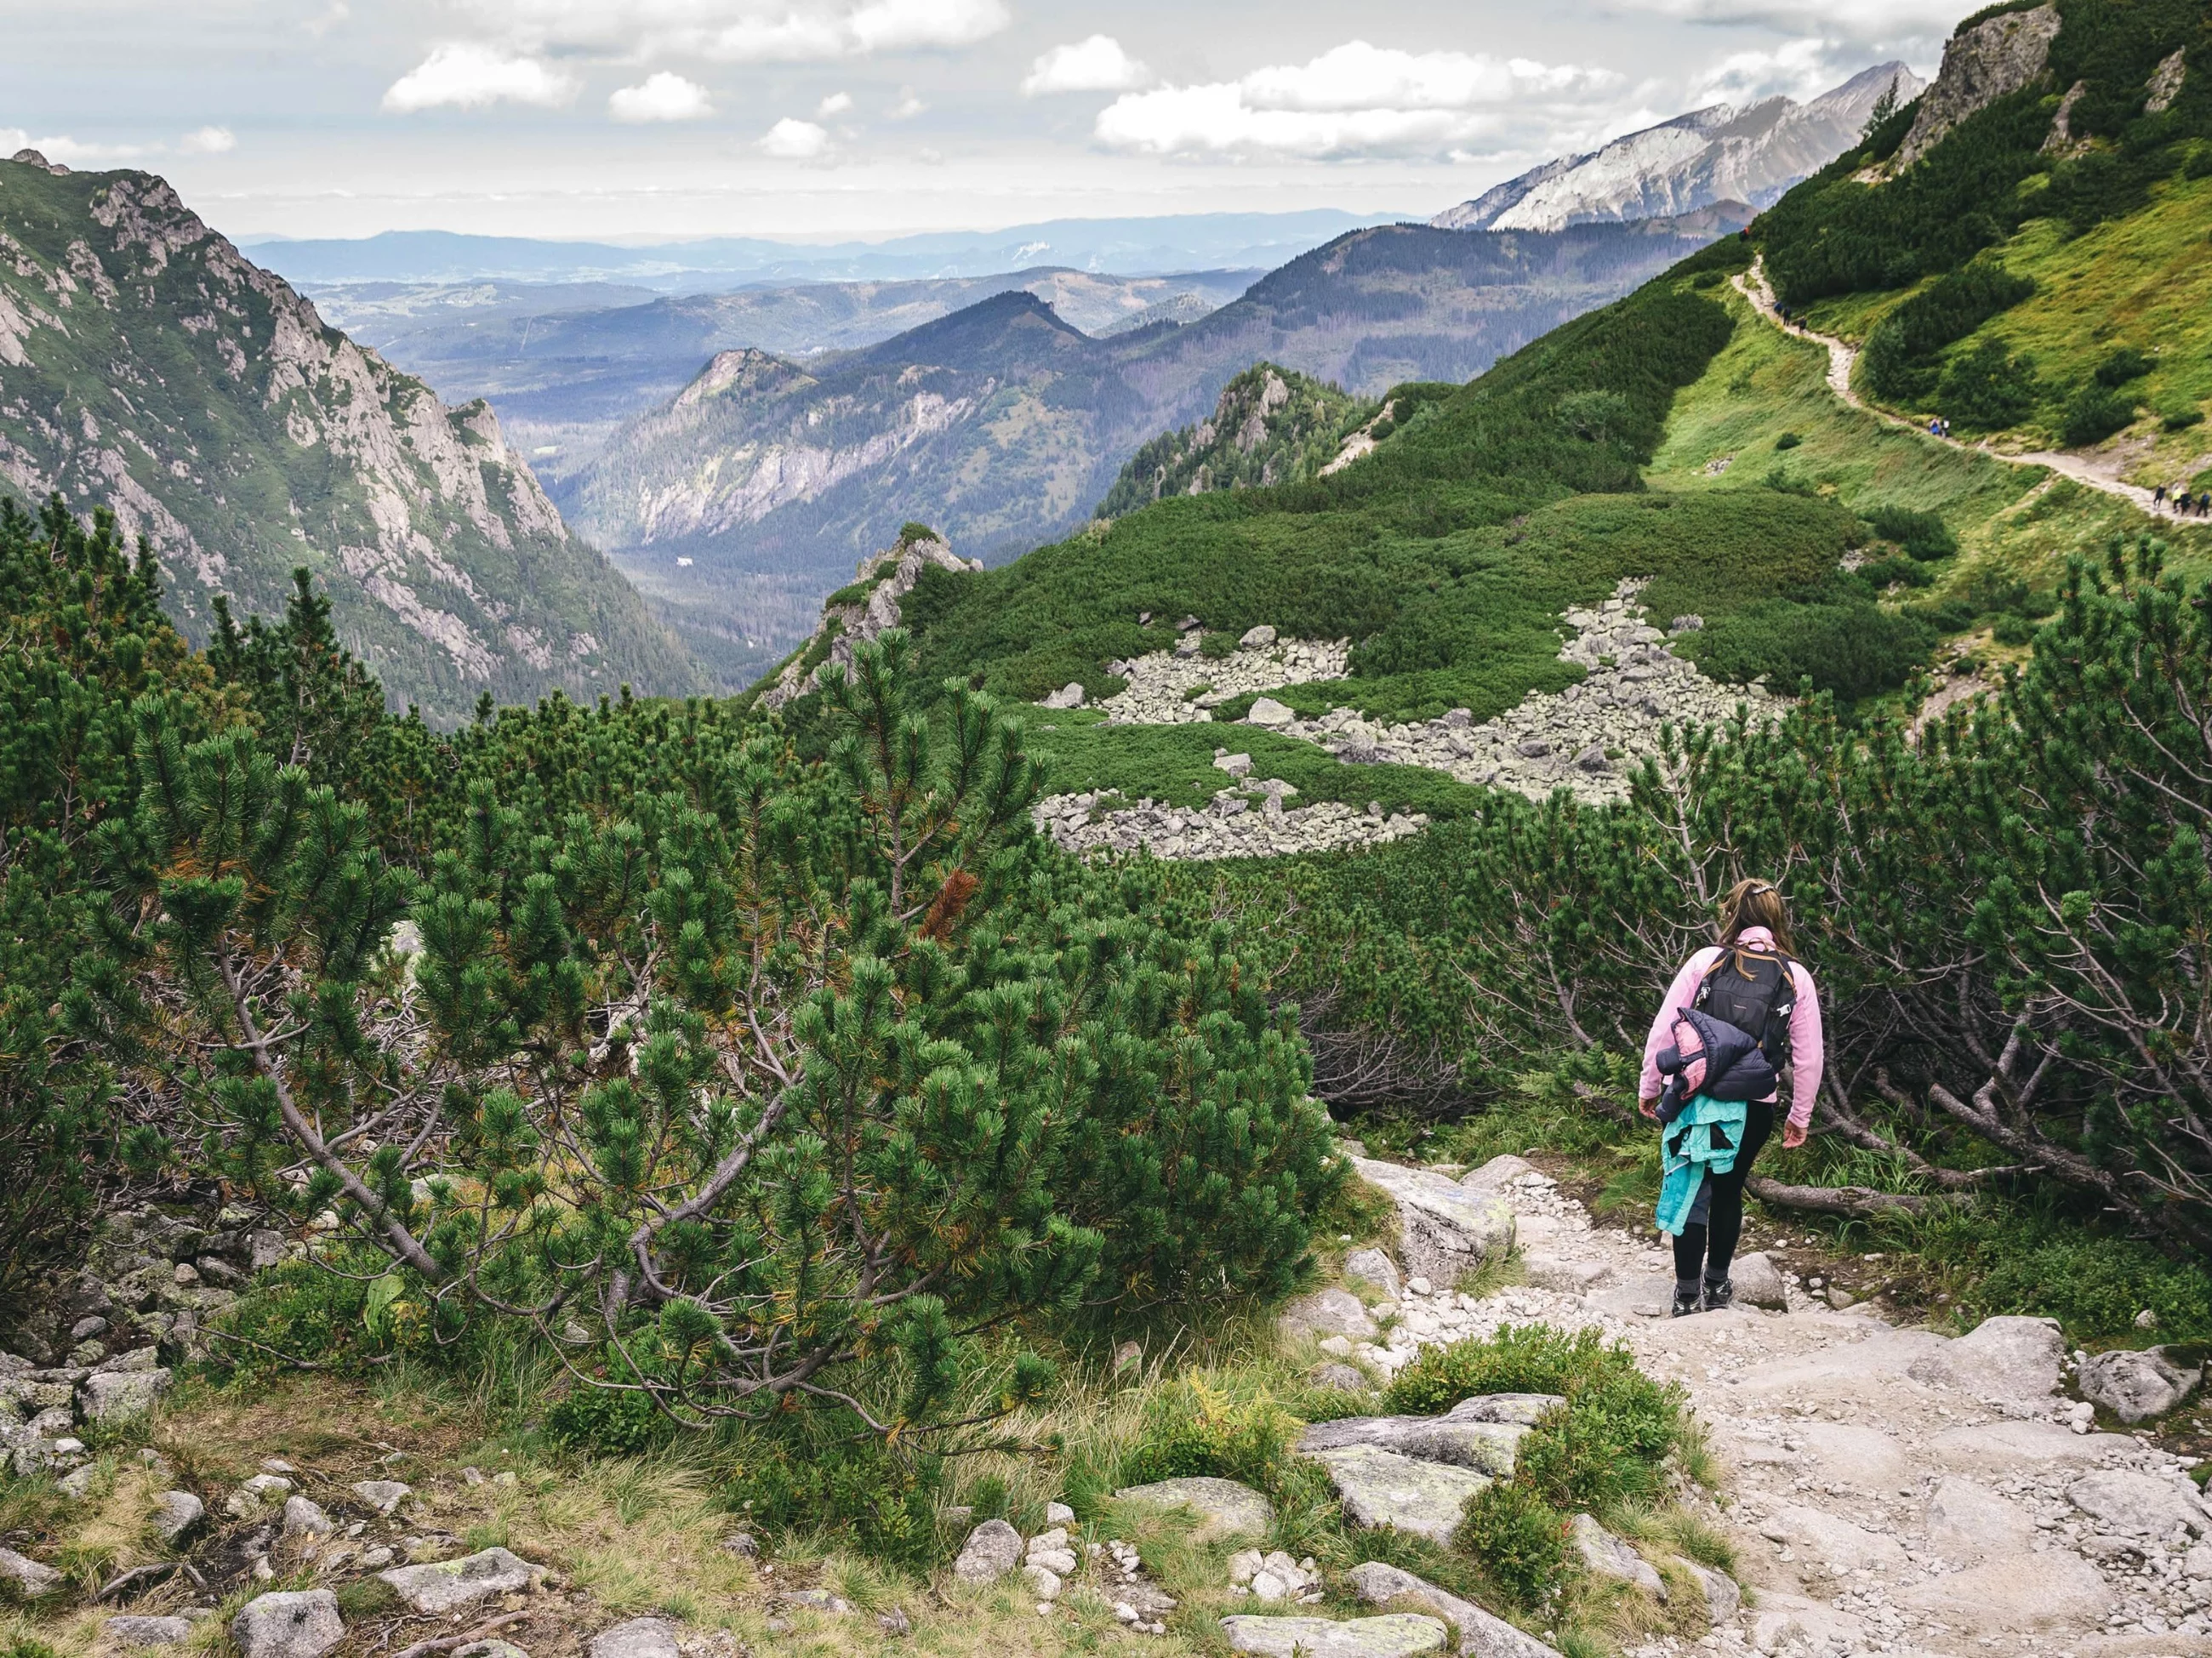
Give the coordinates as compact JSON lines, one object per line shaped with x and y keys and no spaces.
{"x":1981,"y":64}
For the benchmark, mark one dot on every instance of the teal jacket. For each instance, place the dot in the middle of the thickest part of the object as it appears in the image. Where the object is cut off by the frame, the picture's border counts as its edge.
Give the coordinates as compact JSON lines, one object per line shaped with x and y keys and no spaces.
{"x":1688,"y":1152}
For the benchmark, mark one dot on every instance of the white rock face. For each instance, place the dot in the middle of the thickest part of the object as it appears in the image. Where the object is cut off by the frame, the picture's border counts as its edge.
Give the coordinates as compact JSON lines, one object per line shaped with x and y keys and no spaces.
{"x":1446,"y":1229}
{"x":443,"y":1586}
{"x":1225,"y":1508}
{"x":1182,"y":687}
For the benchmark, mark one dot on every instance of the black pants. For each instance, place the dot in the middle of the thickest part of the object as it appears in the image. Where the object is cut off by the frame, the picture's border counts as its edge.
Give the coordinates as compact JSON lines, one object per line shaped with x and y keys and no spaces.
{"x":1709,"y":1247}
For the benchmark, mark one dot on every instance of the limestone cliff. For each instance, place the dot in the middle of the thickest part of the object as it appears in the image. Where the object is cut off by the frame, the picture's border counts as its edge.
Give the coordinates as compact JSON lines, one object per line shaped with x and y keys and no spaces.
{"x":1999,"y":55}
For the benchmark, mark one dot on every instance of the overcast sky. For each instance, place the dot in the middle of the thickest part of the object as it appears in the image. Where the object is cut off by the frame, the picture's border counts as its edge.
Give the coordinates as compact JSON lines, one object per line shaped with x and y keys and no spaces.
{"x":638,"y":118}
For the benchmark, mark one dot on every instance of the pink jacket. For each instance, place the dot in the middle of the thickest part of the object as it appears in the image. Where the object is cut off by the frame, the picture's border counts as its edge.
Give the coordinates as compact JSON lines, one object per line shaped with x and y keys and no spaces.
{"x":1806,"y":1050}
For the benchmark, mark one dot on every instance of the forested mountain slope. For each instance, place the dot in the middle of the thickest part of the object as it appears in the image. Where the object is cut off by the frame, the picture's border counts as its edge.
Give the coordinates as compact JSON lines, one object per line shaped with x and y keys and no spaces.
{"x":145,"y":365}
{"x":1271,"y":425}
{"x":1002,"y":425}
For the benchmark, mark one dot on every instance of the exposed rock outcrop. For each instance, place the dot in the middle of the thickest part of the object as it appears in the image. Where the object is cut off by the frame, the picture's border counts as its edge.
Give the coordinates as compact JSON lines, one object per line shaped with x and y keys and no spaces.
{"x":892,"y":573}
{"x":2000,"y":55}
{"x":1228,"y":827}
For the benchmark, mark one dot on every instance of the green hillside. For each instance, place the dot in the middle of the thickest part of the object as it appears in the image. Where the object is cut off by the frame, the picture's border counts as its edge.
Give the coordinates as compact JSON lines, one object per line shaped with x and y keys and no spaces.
{"x":1271,"y":425}
{"x":146,"y":365}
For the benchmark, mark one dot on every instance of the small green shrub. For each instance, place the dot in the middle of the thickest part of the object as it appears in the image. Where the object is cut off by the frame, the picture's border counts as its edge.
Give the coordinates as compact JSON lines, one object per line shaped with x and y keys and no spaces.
{"x":1845,"y":644}
{"x":1988,"y":387}
{"x":805,"y":1477}
{"x":2011,"y":629}
{"x":2180,"y":420}
{"x":1923,"y":534}
{"x":607,"y":1421}
{"x":2093,"y":414}
{"x":367,"y":1597}
{"x":1196,"y":1427}
{"x":1789,"y":440}
{"x":1520,"y":1540}
{"x":2125,"y":364}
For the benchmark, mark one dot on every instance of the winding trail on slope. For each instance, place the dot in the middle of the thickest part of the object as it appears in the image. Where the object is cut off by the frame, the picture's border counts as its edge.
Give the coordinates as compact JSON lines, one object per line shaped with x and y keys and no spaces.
{"x":1754,"y":286}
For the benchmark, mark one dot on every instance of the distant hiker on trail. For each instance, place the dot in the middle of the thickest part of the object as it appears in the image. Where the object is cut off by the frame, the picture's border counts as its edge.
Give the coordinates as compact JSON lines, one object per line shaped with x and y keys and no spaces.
{"x":2158,"y":496}
{"x":1740,"y":1014}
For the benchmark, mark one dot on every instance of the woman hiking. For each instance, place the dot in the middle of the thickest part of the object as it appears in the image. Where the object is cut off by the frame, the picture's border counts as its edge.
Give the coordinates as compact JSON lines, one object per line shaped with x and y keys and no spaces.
{"x":1738,"y":1014}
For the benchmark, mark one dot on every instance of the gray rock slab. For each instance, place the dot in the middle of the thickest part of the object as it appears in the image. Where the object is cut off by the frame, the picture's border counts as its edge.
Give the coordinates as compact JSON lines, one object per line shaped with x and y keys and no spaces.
{"x":2135,"y":1386}
{"x":1224,"y":1508}
{"x":1376,"y":1270}
{"x":1338,"y":1377}
{"x":1830,"y":1538}
{"x":1609,"y":1556}
{"x":1759,"y":1283}
{"x":1563,"y":1273}
{"x":992,"y":1550}
{"x":176,"y":1513}
{"x":640,"y":1637}
{"x":2001,"y":1448}
{"x":289,"y":1624}
{"x":1480,"y":1633}
{"x":1329,"y":1312}
{"x":1380,"y":1487}
{"x":1394,"y":1635}
{"x":2016,"y":1358}
{"x":382,"y":1495}
{"x":2017,"y":1591}
{"x":304,"y":1517}
{"x":120,"y":1395}
{"x":129,"y":1632}
{"x":1500,"y":1171}
{"x":260,"y":1495}
{"x":2140,"y":1504}
{"x":1526,"y":1409}
{"x":1445,"y":1229}
{"x":1487,"y":1447}
{"x":26,"y":1577}
{"x":1967,"y":1522}
{"x":443,"y":1586}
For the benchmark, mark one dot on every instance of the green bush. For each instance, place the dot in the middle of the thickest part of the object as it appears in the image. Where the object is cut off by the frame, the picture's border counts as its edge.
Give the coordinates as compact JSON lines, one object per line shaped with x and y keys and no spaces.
{"x":1519,"y":1539}
{"x":608,"y":1421}
{"x":1845,"y":645}
{"x":1196,"y":1426}
{"x":1923,"y":534}
{"x":1901,"y":351}
{"x":1988,"y":387}
{"x":2180,"y":420}
{"x":2124,"y":364}
{"x":2093,"y":414}
{"x":802,"y":1476}
{"x":1789,"y":440}
{"x":2011,"y":629}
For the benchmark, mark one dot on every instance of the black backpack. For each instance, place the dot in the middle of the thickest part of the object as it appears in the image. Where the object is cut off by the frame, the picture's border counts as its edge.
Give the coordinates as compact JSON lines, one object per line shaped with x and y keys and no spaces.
{"x":1753,"y":990}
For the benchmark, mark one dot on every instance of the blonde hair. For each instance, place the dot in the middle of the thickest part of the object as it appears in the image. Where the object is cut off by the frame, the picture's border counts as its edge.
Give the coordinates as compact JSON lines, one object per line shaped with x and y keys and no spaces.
{"x":1753,"y":903}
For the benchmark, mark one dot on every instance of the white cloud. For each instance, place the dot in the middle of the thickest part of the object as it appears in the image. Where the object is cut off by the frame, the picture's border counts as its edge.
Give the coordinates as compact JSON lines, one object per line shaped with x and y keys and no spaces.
{"x":1097,"y":65}
{"x":1865,"y":23}
{"x":466,"y":75}
{"x":1354,"y":100}
{"x":740,"y":31}
{"x":661,"y":97}
{"x":835,"y":104}
{"x":65,"y":149}
{"x":1799,"y":68}
{"x":208,"y":141}
{"x":908,"y":106}
{"x":792,"y":140}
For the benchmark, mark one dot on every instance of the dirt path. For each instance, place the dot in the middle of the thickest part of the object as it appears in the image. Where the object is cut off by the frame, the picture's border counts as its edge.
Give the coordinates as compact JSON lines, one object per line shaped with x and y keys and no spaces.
{"x":2097,"y":472}
{"x":1891,"y":1491}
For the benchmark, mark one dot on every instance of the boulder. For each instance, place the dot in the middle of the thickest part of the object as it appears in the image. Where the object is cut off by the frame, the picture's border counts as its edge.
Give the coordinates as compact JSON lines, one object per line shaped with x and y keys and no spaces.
{"x":1059,"y":1514}
{"x":1722,"y":1598}
{"x":1759,"y":1283}
{"x":1446,"y":1229}
{"x":640,"y":1637}
{"x":1501,"y":1171}
{"x":1486,"y":1447}
{"x":1329,"y":1312}
{"x":1566,"y":1275}
{"x":443,"y":1586}
{"x":1376,"y":1270}
{"x":2135,"y":1386}
{"x":1256,"y":637}
{"x":120,"y":1395}
{"x":1526,"y":1409}
{"x":992,"y":1550}
{"x":1396,"y":1635}
{"x":1480,"y":1635}
{"x":1832,"y":1540}
{"x":290,"y":1623}
{"x":2017,"y":1591}
{"x":25,"y":1578}
{"x":1379,"y":1487}
{"x":305,"y":1518}
{"x":1224,"y":1508}
{"x":176,"y":1513}
{"x":147,"y":1631}
{"x":257,"y":1496}
{"x":2140,"y":1504}
{"x":1337,"y":1377}
{"x":1069,"y":696}
{"x":1267,"y":711}
{"x":1609,"y":1556}
{"x":2015,"y":1358}
{"x":1236,"y":765}
{"x":382,"y":1495}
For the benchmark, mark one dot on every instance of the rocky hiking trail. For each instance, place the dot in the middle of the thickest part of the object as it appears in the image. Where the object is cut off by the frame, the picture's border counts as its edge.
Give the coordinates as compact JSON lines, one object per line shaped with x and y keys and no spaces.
{"x":2096,"y":471}
{"x":1890,"y":1490}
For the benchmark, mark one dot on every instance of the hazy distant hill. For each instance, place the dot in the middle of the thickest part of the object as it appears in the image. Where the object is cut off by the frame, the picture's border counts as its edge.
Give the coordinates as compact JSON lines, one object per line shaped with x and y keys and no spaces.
{"x":1751,"y":152}
{"x":1002,"y":424}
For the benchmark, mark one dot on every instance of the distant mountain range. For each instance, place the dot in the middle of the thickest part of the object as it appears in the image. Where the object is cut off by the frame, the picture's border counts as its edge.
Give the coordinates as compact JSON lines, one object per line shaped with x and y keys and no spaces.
{"x":754,"y":492}
{"x":1128,"y":248}
{"x":146,"y":365}
{"x":567,"y":364}
{"x":1750,"y":154}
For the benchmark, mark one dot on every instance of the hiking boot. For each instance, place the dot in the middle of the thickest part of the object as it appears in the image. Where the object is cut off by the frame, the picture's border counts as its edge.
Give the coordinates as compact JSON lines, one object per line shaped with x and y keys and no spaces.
{"x":1686,"y":1304}
{"x":1719,"y":1295}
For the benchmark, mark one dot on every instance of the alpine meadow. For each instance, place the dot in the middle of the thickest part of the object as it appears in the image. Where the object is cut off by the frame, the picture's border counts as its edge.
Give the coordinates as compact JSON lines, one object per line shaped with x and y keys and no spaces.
{"x":1166,"y":1094}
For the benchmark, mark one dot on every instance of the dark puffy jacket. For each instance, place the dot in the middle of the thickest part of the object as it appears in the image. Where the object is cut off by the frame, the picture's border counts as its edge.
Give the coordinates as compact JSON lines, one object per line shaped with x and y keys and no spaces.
{"x":1713,"y":1058}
